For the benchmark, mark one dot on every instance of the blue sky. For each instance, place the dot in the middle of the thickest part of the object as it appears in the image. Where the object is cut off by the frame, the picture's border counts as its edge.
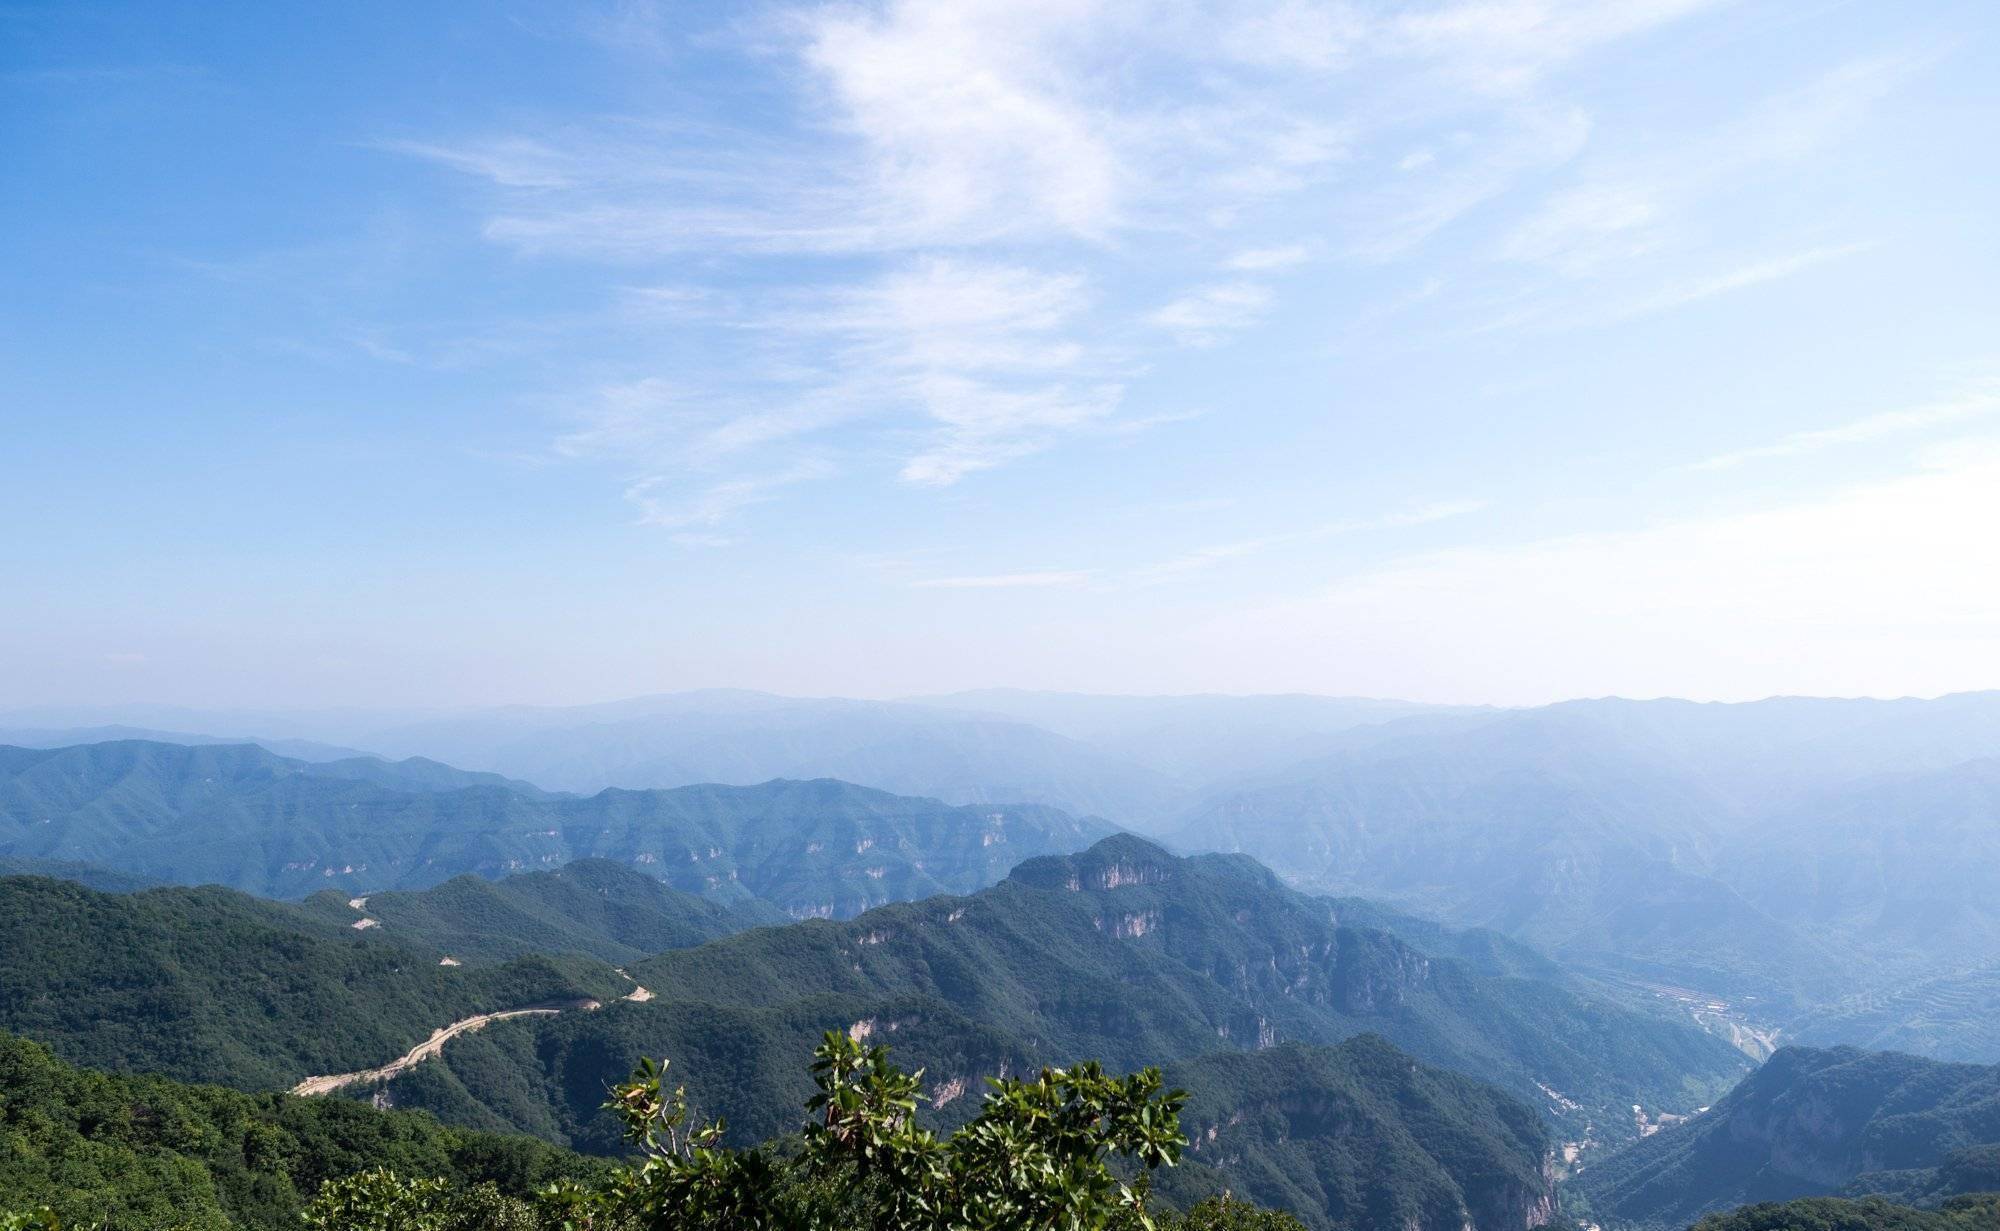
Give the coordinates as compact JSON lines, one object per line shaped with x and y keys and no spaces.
{"x":1471,"y":350}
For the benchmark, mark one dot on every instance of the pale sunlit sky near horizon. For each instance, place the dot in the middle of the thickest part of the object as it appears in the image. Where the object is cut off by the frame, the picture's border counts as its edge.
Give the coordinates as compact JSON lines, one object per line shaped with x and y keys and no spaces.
{"x":1467,"y":350}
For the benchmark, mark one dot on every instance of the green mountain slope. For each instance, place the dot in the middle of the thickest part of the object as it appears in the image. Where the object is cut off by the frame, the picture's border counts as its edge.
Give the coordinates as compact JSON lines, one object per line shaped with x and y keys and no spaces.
{"x":1949,"y":1017}
{"x":592,"y":906}
{"x":137,"y":1153}
{"x":1123,"y":953}
{"x":1807,"y":1123}
{"x":210,"y":985}
{"x":1897,"y":867}
{"x":241,"y":817}
{"x":1970,"y":1213}
{"x":1359,"y":1136}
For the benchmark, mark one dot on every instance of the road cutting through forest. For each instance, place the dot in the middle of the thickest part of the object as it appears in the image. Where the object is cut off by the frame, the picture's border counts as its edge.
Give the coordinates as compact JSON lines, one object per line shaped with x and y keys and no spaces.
{"x":313,"y":1086}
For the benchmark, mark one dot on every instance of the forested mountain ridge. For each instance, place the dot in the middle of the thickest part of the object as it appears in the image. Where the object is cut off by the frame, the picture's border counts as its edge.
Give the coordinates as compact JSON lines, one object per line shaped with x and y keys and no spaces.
{"x":209,"y":985}
{"x":1809,"y":1122}
{"x":241,"y":817}
{"x":1123,"y":953}
{"x":608,"y":910}
{"x":1978,"y":1212}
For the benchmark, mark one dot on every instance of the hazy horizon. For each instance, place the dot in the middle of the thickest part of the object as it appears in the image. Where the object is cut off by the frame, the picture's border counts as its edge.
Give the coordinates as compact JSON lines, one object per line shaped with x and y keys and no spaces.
{"x":59,"y":713}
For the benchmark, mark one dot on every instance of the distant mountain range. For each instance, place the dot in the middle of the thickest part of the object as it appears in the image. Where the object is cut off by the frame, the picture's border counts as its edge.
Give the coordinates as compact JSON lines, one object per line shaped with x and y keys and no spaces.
{"x":1772,"y":867}
{"x":1811,"y":1122}
{"x":1776,"y":855}
{"x":1136,"y":761}
{"x":237,"y":815}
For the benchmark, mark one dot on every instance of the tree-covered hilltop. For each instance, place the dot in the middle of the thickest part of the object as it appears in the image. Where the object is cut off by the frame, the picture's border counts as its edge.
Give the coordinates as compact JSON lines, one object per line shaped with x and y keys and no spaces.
{"x":1147,"y":958}
{"x":1969,"y":1213}
{"x":210,"y":985}
{"x":243,"y":817}
{"x":140,"y":1153}
{"x":594,"y":906}
{"x":1810,"y":1122}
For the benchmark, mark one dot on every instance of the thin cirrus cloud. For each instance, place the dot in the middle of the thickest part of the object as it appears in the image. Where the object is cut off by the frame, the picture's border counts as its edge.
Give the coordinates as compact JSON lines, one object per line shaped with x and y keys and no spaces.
{"x":954,"y":206}
{"x":1006,"y":581}
{"x":1267,"y":260}
{"x":1202,"y":317}
{"x":1977,"y":404}
{"x":1678,"y":291}
{"x":1625,"y":205}
{"x":714,"y":504}
{"x":1203,"y":558}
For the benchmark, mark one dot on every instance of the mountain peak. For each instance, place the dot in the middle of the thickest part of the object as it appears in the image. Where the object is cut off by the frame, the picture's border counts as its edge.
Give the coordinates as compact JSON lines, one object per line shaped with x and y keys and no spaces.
{"x":1121,"y":859}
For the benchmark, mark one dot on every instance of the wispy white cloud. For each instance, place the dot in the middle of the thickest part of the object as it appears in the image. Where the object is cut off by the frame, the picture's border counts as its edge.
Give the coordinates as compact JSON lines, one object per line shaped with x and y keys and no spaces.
{"x":509,"y":161}
{"x":1978,"y":404}
{"x":980,"y":169}
{"x":1741,"y":277}
{"x":1005,"y":581}
{"x":1679,"y":291}
{"x":1202,"y":316}
{"x":661,"y":504}
{"x":1269,"y":260}
{"x":1506,"y":46}
{"x":980,"y":351}
{"x":1636,"y":198}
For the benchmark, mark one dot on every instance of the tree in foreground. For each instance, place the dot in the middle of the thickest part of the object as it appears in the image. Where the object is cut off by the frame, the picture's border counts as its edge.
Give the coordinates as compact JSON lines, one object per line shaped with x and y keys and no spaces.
{"x":1038,"y":1156}
{"x":1045,"y":1153}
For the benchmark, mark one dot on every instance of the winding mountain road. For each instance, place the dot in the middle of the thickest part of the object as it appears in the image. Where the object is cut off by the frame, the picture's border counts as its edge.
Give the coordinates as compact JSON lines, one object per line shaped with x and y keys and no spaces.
{"x":314,"y":1086}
